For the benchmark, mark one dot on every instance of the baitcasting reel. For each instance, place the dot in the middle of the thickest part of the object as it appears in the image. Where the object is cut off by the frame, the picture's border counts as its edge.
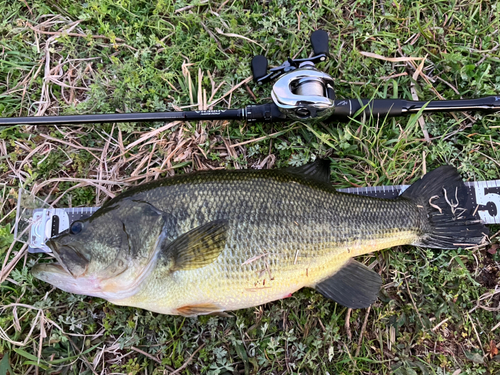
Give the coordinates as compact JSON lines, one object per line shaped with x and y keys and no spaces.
{"x":301,"y":92}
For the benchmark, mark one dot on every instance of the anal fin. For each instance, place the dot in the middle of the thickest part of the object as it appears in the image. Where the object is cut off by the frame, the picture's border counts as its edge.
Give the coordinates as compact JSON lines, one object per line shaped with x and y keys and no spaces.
{"x":355,"y":286}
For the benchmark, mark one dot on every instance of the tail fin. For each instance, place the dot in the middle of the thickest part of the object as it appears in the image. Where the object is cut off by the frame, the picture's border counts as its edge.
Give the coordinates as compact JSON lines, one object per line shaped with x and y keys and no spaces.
{"x":448,"y":217}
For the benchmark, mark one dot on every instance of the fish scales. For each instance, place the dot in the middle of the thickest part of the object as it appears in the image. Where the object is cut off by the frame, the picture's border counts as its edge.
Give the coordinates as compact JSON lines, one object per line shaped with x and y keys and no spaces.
{"x":224,"y":240}
{"x":303,"y":229}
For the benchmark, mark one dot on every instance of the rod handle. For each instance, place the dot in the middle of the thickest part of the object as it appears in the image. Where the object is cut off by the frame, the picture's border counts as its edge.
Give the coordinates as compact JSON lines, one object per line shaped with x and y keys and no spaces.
{"x":345,"y":108}
{"x":488,"y":104}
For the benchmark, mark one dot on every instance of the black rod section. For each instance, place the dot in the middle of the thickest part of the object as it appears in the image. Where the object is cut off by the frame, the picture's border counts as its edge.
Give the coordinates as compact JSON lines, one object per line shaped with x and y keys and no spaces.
{"x":488,"y":104}
{"x":228,"y":114}
{"x":345,"y":108}
{"x":264,"y":112}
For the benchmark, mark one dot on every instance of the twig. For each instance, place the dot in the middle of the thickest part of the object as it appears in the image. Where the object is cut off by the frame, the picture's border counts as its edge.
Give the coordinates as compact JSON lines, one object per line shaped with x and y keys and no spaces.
{"x":475,"y":331}
{"x":495,"y":327}
{"x":250,"y":92}
{"x":178,"y":371}
{"x":414,"y":94}
{"x":414,"y":304}
{"x":391,"y":59}
{"x":146,"y":354}
{"x":263,"y":137}
{"x":347,"y":324}
{"x":89,"y":181}
{"x":440,"y":324}
{"x":77,"y":146}
{"x":151,"y":134}
{"x":214,"y":38}
{"x":3,"y":334}
{"x":230,"y":35}
{"x":190,"y":6}
{"x":393,"y":76}
{"x":7,"y":268}
{"x":363,"y":329}
{"x":85,"y":360}
{"x":245,"y":81}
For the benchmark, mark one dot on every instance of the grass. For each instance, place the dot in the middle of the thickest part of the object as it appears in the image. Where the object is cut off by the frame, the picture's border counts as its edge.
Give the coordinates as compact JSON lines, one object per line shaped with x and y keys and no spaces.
{"x":437,"y":312}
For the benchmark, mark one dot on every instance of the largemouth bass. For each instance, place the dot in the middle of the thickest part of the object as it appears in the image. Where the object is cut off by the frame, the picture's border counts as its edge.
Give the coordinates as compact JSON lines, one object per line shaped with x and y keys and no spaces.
{"x":214,"y":241}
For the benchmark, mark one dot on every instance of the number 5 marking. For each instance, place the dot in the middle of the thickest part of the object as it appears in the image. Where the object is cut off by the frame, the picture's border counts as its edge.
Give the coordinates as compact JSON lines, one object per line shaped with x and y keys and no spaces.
{"x":483,"y":198}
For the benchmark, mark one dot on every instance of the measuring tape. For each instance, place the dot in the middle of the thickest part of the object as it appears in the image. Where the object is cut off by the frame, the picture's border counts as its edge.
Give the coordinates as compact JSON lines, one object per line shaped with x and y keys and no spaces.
{"x":49,"y":222}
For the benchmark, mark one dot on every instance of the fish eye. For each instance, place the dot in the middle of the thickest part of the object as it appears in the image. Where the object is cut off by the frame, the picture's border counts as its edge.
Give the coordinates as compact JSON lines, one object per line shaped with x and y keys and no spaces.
{"x":76,"y":227}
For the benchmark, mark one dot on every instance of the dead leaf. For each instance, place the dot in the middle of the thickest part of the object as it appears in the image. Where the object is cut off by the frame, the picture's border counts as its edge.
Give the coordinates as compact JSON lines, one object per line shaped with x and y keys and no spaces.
{"x":493,"y":248}
{"x":493,"y":349}
{"x":474,"y":357}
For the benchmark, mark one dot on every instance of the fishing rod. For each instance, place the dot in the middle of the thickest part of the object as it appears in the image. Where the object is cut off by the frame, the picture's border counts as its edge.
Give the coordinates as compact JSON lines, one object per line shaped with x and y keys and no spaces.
{"x":301,"y":92}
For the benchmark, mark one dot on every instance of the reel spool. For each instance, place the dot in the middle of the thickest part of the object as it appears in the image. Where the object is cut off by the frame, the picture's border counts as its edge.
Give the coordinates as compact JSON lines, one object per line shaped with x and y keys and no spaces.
{"x":305,"y":93}
{"x":301,"y":92}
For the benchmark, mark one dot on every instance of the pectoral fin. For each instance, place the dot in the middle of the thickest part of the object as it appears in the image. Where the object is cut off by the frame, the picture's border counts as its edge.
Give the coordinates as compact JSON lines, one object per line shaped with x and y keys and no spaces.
{"x":355,"y":286}
{"x":198,"y":247}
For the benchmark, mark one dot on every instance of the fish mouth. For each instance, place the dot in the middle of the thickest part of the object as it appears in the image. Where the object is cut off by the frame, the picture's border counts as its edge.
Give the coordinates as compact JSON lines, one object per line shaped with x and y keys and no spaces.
{"x":70,"y":260}
{"x":54,"y":274}
{"x":49,"y":268}
{"x":57,"y":275}
{"x":68,"y":273}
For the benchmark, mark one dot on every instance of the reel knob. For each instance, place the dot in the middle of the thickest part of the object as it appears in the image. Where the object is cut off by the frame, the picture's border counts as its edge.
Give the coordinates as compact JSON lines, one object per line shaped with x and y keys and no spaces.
{"x":259,"y":68}
{"x":319,"y":41}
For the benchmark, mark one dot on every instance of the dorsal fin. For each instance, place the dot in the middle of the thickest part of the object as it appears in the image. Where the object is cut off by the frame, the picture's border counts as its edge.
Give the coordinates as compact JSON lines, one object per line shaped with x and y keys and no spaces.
{"x":318,"y":170}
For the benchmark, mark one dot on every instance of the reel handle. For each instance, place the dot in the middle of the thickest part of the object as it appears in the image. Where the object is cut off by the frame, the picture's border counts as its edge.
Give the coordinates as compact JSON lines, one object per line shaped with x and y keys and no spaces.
{"x":319,"y":41}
